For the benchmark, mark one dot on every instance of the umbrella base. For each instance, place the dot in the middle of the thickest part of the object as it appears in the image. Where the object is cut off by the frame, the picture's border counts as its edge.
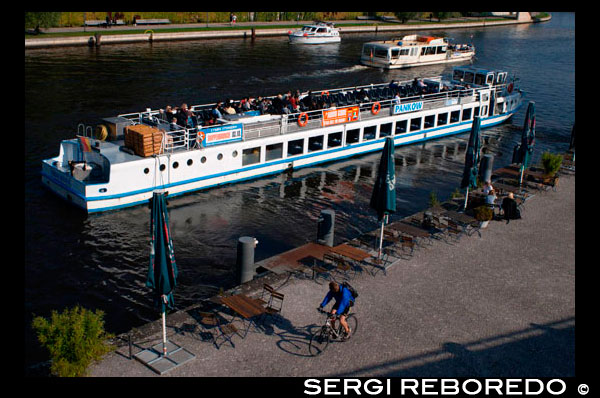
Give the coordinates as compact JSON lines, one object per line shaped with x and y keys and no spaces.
{"x":153,"y":358}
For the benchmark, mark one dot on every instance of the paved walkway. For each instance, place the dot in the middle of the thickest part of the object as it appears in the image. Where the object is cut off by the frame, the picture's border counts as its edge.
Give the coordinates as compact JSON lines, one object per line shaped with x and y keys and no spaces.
{"x":499,"y":305}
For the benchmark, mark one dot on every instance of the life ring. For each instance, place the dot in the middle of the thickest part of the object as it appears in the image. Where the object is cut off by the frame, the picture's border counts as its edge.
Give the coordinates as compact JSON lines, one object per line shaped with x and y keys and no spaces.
{"x":101,"y":132}
{"x":510,"y":88}
{"x":301,"y":122}
{"x":376,"y":108}
{"x":200,"y":137}
{"x":325,"y":93}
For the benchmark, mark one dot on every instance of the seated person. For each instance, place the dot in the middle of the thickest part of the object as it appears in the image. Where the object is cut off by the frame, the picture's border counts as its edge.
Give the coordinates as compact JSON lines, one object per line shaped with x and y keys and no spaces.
{"x":509,"y":207}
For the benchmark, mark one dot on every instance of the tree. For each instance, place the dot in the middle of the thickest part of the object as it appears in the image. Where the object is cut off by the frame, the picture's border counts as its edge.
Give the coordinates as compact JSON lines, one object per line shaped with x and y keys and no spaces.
{"x":41,"y":19}
{"x":440,"y":15}
{"x":405,"y":16}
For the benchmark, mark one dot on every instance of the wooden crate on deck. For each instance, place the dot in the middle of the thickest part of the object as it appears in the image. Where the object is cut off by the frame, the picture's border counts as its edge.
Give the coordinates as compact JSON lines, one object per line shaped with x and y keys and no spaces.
{"x":143,"y":140}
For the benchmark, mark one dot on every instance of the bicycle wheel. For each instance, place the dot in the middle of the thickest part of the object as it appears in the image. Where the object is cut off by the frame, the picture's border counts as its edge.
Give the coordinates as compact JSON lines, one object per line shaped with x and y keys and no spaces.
{"x":353,"y":324}
{"x":318,"y":342}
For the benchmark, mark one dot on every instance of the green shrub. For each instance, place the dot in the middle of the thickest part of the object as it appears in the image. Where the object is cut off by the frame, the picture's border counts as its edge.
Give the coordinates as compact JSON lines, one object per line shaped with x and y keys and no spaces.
{"x":433,"y":199}
{"x":456,"y":194}
{"x":483,"y":213}
{"x":551,"y":163}
{"x":74,"y":338}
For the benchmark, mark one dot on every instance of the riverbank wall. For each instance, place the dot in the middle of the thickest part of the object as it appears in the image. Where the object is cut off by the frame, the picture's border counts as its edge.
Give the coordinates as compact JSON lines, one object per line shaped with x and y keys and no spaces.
{"x":154,"y":35}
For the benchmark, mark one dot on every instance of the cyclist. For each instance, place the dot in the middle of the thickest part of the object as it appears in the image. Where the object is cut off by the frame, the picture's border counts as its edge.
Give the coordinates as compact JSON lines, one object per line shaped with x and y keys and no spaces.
{"x":343,"y":301}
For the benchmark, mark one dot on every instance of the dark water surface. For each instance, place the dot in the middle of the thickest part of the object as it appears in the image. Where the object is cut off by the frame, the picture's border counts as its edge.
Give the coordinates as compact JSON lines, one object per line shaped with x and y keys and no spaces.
{"x":100,"y":261}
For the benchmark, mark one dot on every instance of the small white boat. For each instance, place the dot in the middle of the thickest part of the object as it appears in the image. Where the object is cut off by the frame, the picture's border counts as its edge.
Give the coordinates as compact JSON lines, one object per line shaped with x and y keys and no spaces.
{"x":414,"y":50}
{"x":318,"y":33}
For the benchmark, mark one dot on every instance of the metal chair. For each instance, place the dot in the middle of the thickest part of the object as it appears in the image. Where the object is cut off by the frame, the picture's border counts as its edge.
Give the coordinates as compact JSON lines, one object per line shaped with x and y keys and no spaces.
{"x":275,"y":304}
{"x":267,"y":291}
{"x":211,"y":323}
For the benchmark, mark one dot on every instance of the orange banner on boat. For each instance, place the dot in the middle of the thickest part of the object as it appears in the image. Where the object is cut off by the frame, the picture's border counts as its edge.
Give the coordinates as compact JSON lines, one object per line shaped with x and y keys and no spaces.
{"x":340,"y":115}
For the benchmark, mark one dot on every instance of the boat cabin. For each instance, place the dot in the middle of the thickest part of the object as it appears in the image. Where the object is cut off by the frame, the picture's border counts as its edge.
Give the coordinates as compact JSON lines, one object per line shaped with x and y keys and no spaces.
{"x":478,"y":77}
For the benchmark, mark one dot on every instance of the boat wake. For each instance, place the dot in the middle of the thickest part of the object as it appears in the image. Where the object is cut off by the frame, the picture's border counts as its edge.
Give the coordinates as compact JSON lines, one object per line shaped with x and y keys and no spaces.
{"x":308,"y":74}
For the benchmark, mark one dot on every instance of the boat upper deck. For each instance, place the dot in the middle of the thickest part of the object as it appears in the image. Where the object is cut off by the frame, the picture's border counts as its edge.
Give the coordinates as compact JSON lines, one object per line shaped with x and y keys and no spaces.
{"x":437,"y":94}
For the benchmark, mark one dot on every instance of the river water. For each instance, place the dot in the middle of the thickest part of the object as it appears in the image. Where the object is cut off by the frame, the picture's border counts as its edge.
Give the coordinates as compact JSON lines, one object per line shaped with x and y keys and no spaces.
{"x":100,"y":261}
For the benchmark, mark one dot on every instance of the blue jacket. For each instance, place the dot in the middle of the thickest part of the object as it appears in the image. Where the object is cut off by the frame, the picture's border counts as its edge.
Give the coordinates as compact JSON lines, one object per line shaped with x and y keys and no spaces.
{"x":342,"y":299}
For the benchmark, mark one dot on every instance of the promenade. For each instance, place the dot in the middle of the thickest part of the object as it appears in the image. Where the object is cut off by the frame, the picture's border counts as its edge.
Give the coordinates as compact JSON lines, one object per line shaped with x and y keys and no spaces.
{"x":499,"y":305}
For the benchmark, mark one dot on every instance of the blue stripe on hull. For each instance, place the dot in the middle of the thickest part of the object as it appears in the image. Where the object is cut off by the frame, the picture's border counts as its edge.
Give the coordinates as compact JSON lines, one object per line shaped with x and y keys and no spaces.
{"x":257,"y":176}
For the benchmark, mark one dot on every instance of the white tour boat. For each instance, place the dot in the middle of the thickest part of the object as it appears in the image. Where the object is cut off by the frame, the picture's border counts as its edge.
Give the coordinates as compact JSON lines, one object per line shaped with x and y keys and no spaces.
{"x":126,"y":158}
{"x":414,"y":50}
{"x":318,"y":33}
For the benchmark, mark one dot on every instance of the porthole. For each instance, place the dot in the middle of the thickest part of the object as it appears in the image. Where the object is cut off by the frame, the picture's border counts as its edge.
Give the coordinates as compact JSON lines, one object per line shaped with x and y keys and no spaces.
{"x":190,"y":162}
{"x":102,"y":190}
{"x":220,"y":156}
{"x":203,"y":160}
{"x":162,"y":167}
{"x":234,"y":154}
{"x":175,"y":165}
{"x":146,"y":170}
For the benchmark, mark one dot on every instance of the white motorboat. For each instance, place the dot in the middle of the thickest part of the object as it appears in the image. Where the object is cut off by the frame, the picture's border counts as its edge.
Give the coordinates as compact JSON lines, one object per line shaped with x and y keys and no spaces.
{"x":318,"y":33}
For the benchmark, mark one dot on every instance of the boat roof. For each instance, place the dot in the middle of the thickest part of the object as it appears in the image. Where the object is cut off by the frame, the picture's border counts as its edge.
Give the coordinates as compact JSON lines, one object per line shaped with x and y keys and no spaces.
{"x":320,"y":24}
{"x":411,"y":40}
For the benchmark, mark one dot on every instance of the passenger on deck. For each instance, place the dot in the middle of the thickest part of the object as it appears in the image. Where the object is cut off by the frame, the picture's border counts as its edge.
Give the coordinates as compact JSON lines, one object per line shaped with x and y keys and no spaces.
{"x":308,"y":100}
{"x":396,"y":99}
{"x":228,"y":108}
{"x":168,"y":113}
{"x":362,"y":96}
{"x":393,"y":85}
{"x":278,"y":104}
{"x":216,"y":112}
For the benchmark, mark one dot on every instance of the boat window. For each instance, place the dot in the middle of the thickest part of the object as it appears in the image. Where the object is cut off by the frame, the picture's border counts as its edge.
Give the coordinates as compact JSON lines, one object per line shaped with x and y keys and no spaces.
{"x":385,"y":130}
{"x":250,"y":156}
{"x":476,"y":111}
{"x":454,"y":116}
{"x":484,"y":110}
{"x":175,"y":165}
{"x":220,"y":156}
{"x":466,"y":113}
{"x":274,"y":151}
{"x":415,"y":124}
{"x":480,"y":79}
{"x":334,"y":140}
{"x":401,"y":127}
{"x":404,"y":51}
{"x":395,"y":52}
{"x":203,"y":160}
{"x":458,"y":74}
{"x":442,"y":119}
{"x":295,"y":147}
{"x":369,"y":133}
{"x":469,"y":77}
{"x":352,"y":136}
{"x":381,"y":52}
{"x":429,"y":121}
{"x":315,"y":143}
{"x":413,"y":51}
{"x":489,"y":78}
{"x":190,"y":162}
{"x":441,"y":50}
{"x":322,"y":30}
{"x":234,"y":154}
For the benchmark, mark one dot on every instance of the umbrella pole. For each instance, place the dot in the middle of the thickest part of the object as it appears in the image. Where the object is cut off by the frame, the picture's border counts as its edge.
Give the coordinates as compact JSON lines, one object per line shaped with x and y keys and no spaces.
{"x":521,"y":178}
{"x":381,"y":239}
{"x":164,"y":329}
{"x":466,"y":198}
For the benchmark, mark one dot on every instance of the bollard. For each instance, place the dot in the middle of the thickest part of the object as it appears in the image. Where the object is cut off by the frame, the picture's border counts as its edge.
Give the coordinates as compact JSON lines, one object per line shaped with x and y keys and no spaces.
{"x":253,"y":34}
{"x":325,"y":227}
{"x":485,"y":171}
{"x":245,"y":258}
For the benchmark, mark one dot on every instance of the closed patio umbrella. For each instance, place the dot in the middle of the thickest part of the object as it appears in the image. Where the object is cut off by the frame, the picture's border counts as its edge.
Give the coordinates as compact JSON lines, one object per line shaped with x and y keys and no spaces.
{"x":162,"y":271}
{"x":472,"y":156}
{"x":524,"y":150}
{"x":383,"y":199}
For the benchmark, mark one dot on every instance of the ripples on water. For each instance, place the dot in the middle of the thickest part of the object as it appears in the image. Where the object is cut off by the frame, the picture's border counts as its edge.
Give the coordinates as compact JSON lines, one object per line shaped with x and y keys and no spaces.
{"x":100,"y":261}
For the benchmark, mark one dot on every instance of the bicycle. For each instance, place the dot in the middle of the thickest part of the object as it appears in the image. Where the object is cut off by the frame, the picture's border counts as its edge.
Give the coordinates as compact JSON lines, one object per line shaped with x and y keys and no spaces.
{"x":321,"y":338}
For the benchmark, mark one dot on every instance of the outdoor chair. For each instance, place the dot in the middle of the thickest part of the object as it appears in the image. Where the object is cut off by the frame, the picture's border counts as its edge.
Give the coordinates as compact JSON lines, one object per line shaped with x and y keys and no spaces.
{"x":408,"y":243}
{"x":275,"y":304}
{"x":265,"y":296}
{"x":342,"y":265}
{"x":218,"y":330}
{"x":454,"y":230}
{"x":381,"y":264}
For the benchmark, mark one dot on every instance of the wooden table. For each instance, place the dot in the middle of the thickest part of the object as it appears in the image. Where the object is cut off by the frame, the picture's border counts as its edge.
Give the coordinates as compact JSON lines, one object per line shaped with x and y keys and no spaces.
{"x":414,"y":231}
{"x":246,"y":307}
{"x":353,"y":253}
{"x":466,"y":221}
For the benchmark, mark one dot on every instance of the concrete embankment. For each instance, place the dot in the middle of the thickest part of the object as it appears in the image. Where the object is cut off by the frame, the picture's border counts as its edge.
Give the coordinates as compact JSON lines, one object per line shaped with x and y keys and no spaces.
{"x":502,"y":304}
{"x":98,"y":38}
